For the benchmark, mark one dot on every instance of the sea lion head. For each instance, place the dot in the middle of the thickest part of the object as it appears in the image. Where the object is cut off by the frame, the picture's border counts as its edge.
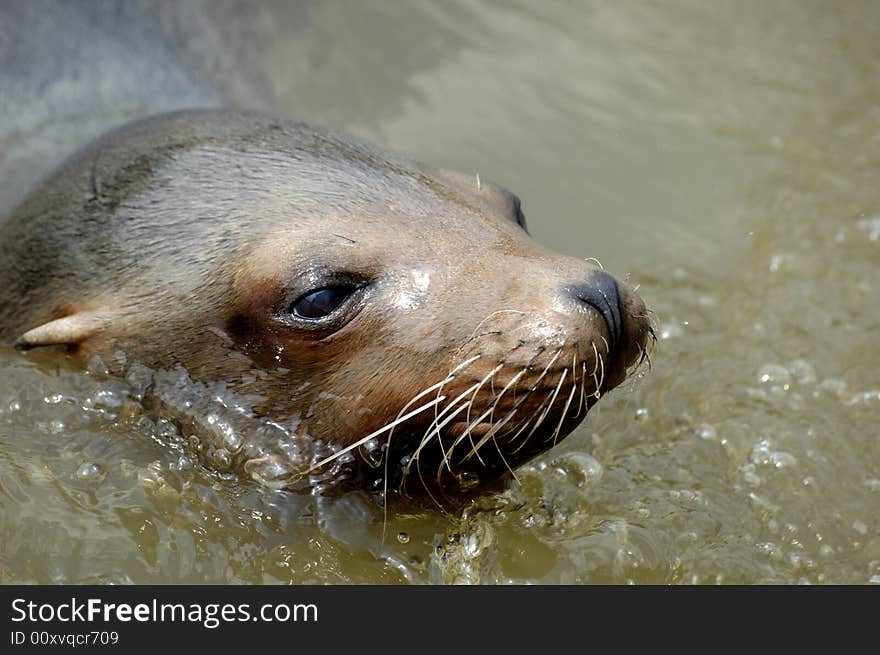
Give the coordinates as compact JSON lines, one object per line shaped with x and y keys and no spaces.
{"x":398,"y":316}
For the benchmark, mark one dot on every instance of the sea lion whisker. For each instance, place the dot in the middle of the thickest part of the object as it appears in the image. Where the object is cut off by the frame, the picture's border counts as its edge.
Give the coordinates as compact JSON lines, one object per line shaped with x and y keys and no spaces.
{"x":387,"y":458}
{"x":504,"y":459}
{"x":437,"y":386}
{"x":598,"y":380}
{"x":449,"y":377}
{"x":452,"y":403}
{"x":583,"y":397}
{"x":538,"y":415}
{"x":491,"y":434}
{"x":549,"y":407}
{"x":574,"y":380}
{"x":496,"y":312}
{"x":522,"y":429}
{"x":547,"y":368}
{"x":540,"y":377}
{"x":425,"y":485}
{"x":647,"y":356}
{"x":516,"y":405}
{"x":489,"y":411}
{"x":491,"y":374}
{"x":513,"y":391}
{"x":475,"y":334}
{"x":406,"y":469}
{"x":466,"y":362}
{"x":530,"y":390}
{"x":372,"y":435}
{"x":495,"y":427}
{"x":564,"y":412}
{"x":552,"y":400}
{"x":446,"y":459}
{"x":415,"y":457}
{"x":435,"y":429}
{"x":644,"y":357}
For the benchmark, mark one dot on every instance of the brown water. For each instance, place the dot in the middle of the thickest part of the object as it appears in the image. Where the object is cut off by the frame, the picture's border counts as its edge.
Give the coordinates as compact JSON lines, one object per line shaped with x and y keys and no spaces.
{"x":724,"y":155}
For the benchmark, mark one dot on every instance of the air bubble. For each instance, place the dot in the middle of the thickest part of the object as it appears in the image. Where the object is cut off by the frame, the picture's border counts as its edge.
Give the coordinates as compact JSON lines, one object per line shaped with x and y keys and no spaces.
{"x":89,"y":471}
{"x":783,"y":262}
{"x":670,"y":331}
{"x":222,"y":458}
{"x":802,"y":371}
{"x":782,"y":459}
{"x":468,"y":480}
{"x":834,"y":386}
{"x":371,"y":452}
{"x":871,"y":226}
{"x":775,"y":375}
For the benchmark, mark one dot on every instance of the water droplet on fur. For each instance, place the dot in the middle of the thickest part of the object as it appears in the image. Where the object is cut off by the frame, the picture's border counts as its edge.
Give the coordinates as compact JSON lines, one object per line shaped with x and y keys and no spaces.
{"x":468,"y":480}
{"x":222,"y":458}
{"x":268,"y":471}
{"x":371,"y":452}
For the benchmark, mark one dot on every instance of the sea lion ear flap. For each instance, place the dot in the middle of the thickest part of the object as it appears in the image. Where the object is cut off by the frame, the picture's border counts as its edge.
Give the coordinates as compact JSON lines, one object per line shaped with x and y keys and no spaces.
{"x":68,"y":330}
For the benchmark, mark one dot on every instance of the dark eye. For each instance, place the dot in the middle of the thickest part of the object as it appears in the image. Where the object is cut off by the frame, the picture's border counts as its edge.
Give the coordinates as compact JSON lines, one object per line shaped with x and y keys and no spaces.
{"x":321,"y":303}
{"x":518,"y":212}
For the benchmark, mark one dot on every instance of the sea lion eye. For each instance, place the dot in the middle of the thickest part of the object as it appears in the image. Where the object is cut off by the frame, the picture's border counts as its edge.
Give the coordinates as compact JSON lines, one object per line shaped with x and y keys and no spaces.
{"x":518,"y":213}
{"x":321,"y":303}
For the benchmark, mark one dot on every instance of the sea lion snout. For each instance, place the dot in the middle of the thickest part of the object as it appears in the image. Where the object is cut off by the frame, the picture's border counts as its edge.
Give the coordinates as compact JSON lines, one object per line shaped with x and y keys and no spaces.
{"x":600,"y":293}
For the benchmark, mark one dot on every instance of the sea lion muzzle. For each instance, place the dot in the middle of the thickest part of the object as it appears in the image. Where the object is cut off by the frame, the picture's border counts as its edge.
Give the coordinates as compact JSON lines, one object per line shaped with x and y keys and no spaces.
{"x":601,"y":294}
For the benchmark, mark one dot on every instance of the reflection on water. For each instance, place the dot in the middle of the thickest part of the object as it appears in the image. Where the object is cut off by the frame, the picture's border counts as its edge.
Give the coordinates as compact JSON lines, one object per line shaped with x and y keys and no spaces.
{"x":724,"y":156}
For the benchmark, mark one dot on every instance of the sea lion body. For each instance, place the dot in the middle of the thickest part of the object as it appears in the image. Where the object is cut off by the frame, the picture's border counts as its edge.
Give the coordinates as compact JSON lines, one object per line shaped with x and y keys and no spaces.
{"x":362,"y":308}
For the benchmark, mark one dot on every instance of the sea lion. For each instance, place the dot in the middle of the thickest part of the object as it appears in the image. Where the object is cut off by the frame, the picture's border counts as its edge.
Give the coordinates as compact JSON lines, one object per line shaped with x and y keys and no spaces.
{"x":376,"y":318}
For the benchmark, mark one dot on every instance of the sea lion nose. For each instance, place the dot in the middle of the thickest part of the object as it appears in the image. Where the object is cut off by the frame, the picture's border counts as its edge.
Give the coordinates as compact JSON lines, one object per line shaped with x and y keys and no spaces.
{"x":600,"y":293}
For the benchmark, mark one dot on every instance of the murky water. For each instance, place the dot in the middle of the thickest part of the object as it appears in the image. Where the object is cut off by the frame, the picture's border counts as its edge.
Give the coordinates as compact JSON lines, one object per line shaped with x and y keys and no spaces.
{"x":724,"y":155}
